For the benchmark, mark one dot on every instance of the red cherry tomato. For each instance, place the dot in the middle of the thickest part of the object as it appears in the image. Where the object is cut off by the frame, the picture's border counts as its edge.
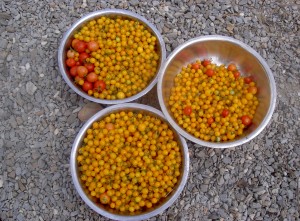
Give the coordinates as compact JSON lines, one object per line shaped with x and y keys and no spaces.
{"x":70,"y":62}
{"x":82,"y":71}
{"x":225,"y":112}
{"x":89,"y":66}
{"x":80,"y":46}
{"x":93,"y":46}
{"x":231,"y":67}
{"x":195,"y":66}
{"x":246,"y":120}
{"x":99,"y":86}
{"x":83,"y":56}
{"x":210,"y":120}
{"x":187,"y":110}
{"x":236,"y":74}
{"x":209,"y":72}
{"x":70,"y":54}
{"x":78,"y":63}
{"x":73,"y":71}
{"x":248,"y":80}
{"x":87,"y":86}
{"x":206,"y":62}
{"x":74,"y":42}
{"x":92,"y":77}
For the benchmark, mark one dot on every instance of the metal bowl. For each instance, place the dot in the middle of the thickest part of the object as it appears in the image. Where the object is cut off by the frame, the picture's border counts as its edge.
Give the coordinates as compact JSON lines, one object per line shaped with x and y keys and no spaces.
{"x":168,"y":201}
{"x":222,"y":50}
{"x":66,"y":42}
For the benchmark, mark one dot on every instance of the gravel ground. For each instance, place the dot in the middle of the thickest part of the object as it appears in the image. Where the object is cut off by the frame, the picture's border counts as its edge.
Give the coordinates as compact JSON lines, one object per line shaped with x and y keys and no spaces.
{"x":39,"y":112}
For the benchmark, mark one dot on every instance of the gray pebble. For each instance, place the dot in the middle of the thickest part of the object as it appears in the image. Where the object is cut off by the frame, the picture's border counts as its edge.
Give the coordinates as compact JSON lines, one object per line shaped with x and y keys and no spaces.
{"x":30,"y":88}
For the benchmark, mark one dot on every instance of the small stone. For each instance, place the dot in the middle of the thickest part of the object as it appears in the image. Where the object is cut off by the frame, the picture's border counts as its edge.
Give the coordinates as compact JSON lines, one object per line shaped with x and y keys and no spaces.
{"x":88,"y":111}
{"x":226,"y":160}
{"x":1,"y":181}
{"x":155,"y":3}
{"x":30,"y":88}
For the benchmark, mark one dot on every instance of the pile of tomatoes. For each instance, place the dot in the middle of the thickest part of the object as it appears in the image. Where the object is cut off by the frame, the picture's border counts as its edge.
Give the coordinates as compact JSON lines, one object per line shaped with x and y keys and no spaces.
{"x":213,"y":103}
{"x":113,"y":58}
{"x":81,"y":70}
{"x":129,"y":161}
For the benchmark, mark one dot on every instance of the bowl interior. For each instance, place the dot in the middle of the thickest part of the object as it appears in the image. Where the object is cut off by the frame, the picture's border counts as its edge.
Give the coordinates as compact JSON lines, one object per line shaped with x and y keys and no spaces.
{"x":220,"y":51}
{"x":116,"y":13}
{"x":94,"y":203}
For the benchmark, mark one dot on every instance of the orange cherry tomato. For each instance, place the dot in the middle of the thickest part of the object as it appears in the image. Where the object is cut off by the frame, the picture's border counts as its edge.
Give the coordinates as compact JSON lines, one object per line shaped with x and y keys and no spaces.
{"x":104,"y":198}
{"x":231,"y":67}
{"x":252,"y":89}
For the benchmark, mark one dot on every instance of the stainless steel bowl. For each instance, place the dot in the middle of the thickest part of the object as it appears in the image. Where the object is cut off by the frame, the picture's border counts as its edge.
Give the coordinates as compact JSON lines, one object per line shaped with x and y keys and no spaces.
{"x":90,"y":201}
{"x":66,"y":42}
{"x":222,"y":50}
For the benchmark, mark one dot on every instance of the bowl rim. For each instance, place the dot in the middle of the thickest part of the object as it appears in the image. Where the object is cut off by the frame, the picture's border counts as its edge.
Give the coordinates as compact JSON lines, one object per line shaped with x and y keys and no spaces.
{"x":76,"y":181}
{"x":228,"y":144}
{"x":99,"y":13}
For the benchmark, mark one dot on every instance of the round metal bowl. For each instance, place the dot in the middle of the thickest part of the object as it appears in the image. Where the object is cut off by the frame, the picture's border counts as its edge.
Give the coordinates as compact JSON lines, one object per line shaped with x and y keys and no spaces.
{"x":222,"y":50}
{"x":66,"y":42}
{"x":91,"y":202}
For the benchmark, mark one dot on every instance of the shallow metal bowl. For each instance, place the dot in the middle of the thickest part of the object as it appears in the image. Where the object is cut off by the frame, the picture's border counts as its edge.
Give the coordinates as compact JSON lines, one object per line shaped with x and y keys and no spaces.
{"x":66,"y":42}
{"x":222,"y":50}
{"x":91,"y":202}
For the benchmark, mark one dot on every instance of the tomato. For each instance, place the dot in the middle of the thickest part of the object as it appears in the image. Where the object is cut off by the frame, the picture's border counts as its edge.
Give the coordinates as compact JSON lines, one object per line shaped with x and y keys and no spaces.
{"x":78,"y":80}
{"x":187,"y":110}
{"x":225,"y":112}
{"x":206,"y":62}
{"x":87,"y":86}
{"x":209,"y":72}
{"x":89,"y":66}
{"x":231,"y":67}
{"x":99,"y":86}
{"x":82,"y":71}
{"x":83,"y":56}
{"x":80,"y":46}
{"x":246,"y":120}
{"x":236,"y":74}
{"x":195,"y":66}
{"x":93,"y":46}
{"x":248,"y":80}
{"x":74,"y":42}
{"x":104,"y":198}
{"x":70,"y":54}
{"x":70,"y":62}
{"x":92,"y":77}
{"x":78,"y":63}
{"x":252,"y":89}
{"x":210,"y":120}
{"x":109,"y":126}
{"x":73,"y":71}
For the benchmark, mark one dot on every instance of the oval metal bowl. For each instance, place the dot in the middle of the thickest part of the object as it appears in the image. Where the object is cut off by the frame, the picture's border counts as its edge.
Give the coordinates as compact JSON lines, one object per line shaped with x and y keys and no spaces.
{"x":66,"y":42}
{"x":222,"y":50}
{"x":91,"y":202}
